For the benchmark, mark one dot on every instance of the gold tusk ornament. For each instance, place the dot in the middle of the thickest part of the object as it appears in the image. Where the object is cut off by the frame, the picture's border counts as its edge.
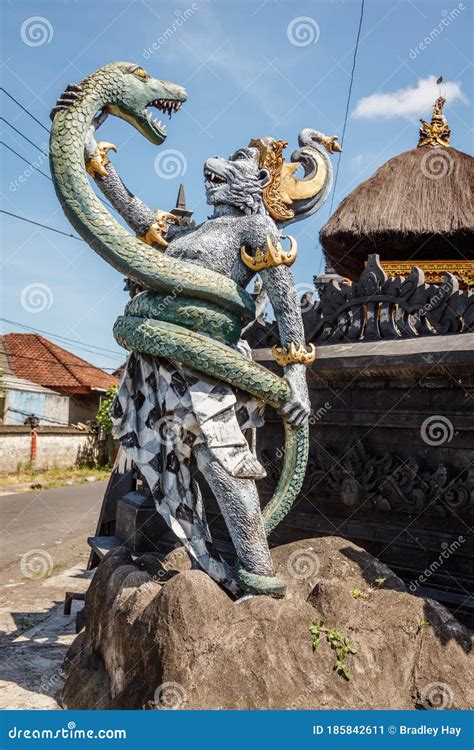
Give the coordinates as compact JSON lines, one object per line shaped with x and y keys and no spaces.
{"x":303,"y":355}
{"x":271,"y":256}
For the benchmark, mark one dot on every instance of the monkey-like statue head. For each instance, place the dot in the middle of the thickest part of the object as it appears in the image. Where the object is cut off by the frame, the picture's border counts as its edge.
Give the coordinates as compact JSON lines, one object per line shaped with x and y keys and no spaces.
{"x":237,"y":181}
{"x":257,"y":178}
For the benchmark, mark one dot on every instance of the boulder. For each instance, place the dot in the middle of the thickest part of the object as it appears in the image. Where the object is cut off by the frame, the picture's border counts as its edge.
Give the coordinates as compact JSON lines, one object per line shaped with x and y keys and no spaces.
{"x":179,"y":641}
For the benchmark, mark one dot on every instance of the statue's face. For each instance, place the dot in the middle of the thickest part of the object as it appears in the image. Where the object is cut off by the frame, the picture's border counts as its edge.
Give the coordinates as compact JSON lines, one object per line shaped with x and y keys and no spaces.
{"x":237,"y":181}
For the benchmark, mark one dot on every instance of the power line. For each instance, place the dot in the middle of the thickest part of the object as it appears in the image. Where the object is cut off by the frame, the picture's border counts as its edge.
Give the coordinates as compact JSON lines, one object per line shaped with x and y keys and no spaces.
{"x":41,"y":152}
{"x":58,"y":336}
{"x":348,"y":102}
{"x":23,"y":135}
{"x":24,"y":109}
{"x":38,"y":224}
{"x":2,"y":143}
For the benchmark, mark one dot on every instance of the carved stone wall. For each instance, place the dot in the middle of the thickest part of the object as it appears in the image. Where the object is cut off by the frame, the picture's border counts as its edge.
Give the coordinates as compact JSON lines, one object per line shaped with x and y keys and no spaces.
{"x":391,"y":462}
{"x":377,"y":307}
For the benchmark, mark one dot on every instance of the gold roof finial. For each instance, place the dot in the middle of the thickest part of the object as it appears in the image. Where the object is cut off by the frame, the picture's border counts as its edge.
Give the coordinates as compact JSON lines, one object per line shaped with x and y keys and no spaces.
{"x":437,"y":133}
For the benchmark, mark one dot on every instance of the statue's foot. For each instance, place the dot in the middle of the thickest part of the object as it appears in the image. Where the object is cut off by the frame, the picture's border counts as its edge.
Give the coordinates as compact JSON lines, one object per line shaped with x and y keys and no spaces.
{"x":260,"y":585}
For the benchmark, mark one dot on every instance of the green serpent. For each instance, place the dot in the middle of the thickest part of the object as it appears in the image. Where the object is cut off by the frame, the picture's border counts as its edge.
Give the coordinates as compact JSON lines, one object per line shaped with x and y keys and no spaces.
{"x":188,"y":314}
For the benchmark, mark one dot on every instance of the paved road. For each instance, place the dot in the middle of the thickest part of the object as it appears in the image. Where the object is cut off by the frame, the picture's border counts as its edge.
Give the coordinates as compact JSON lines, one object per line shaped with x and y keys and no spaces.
{"x":41,"y":519}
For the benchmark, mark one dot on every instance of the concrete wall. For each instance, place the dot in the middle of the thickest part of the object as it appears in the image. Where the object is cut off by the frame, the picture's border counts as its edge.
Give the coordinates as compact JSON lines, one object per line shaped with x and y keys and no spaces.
{"x":55,"y":447}
{"x":50,"y":408}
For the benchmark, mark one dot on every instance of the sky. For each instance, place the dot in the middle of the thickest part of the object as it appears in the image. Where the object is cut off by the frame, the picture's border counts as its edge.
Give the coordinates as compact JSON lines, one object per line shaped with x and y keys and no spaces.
{"x":251,"y":68}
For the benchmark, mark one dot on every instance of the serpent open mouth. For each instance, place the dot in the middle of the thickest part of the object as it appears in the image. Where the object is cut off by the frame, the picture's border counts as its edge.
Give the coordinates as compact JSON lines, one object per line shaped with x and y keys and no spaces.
{"x":167,"y":106}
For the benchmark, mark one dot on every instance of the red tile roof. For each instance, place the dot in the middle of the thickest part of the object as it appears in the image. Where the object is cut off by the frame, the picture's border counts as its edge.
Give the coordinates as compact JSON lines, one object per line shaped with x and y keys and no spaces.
{"x":35,"y":358}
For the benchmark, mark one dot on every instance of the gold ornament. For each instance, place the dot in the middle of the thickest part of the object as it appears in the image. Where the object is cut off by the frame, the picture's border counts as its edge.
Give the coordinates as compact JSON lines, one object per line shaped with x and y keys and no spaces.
{"x":96,"y":165}
{"x":270,"y":257}
{"x":283,"y":189}
{"x":304,"y":355}
{"x":437,"y":133}
{"x":156,"y":233}
{"x":434,"y":270}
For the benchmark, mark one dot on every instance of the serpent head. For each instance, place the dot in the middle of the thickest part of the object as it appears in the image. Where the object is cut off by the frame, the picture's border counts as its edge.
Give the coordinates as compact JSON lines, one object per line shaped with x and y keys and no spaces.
{"x":127,"y":91}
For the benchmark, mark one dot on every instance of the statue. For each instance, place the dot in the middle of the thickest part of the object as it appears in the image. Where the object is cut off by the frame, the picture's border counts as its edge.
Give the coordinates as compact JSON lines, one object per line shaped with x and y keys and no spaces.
{"x":190,"y":386}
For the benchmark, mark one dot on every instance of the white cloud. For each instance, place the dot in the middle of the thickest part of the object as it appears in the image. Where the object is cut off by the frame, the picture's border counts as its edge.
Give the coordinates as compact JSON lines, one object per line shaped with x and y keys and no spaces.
{"x":408,"y":102}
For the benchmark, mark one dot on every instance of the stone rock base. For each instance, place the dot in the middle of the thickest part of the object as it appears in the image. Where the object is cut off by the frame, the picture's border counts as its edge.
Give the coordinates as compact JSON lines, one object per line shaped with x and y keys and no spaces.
{"x":168,"y":637}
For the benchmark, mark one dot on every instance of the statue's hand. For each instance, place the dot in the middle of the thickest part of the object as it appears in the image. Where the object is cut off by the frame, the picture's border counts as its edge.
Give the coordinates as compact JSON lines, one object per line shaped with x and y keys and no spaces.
{"x":298,"y":407}
{"x":67,"y":98}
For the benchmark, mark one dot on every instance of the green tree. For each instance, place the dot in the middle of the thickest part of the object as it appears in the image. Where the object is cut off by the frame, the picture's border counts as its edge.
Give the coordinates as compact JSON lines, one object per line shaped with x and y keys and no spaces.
{"x":103,"y":415}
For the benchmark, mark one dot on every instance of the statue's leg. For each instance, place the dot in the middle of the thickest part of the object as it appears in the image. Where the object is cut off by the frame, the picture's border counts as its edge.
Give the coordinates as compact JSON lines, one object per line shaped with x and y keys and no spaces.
{"x":239,"y":504}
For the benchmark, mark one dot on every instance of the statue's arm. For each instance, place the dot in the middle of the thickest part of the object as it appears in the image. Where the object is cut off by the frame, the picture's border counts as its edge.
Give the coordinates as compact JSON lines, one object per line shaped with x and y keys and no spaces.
{"x":279,"y":284}
{"x":280,"y":287}
{"x":133,"y":210}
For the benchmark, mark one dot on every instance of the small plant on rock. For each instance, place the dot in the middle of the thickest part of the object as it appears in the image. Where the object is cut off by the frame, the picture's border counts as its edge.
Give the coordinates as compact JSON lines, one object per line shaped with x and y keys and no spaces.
{"x":338,"y":643}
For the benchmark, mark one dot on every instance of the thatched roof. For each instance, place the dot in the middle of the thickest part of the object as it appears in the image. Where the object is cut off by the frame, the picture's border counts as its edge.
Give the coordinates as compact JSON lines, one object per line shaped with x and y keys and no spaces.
{"x":417,"y":206}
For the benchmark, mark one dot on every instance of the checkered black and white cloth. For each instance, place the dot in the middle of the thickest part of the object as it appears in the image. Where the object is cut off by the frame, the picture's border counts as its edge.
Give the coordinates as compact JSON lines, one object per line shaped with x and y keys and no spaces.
{"x":163,"y":410}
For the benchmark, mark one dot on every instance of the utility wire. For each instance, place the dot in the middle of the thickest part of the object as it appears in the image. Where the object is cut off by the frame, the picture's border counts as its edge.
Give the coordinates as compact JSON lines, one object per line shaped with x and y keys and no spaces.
{"x":24,"y":109}
{"x":2,"y":143}
{"x":23,"y":136}
{"x":38,"y":224}
{"x":347,"y":103}
{"x":58,"y":336}
{"x":41,"y":152}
